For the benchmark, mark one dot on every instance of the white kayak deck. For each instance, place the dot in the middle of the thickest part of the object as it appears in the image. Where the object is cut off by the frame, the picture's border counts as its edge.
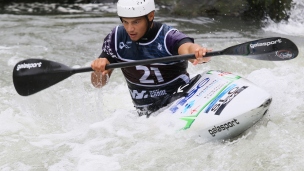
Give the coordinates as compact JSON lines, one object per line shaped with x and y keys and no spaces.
{"x":220,"y":105}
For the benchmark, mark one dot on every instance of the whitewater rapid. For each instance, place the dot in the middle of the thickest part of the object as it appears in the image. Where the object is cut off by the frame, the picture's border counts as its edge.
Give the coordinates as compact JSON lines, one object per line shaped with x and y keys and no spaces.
{"x":73,"y":126}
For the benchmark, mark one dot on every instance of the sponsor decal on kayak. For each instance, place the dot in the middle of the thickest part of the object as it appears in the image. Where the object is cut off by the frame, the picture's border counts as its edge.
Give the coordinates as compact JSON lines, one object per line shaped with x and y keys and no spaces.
{"x":226,"y":75}
{"x":188,"y":106}
{"x":217,"y":104}
{"x":184,"y":100}
{"x":208,"y":87}
{"x":221,"y":101}
{"x":194,"y":110}
{"x":284,"y":54}
{"x":223,"y":127}
{"x":252,"y":46}
{"x":216,"y":85}
{"x":29,"y":65}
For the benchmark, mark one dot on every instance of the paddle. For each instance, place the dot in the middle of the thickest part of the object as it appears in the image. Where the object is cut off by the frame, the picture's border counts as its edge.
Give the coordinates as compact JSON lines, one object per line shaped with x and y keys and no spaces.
{"x":33,"y":75}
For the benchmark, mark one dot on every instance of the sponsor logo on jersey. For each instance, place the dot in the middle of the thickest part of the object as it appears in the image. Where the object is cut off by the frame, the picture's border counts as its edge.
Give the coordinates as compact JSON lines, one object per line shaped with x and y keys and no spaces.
{"x":123,"y":45}
{"x":29,"y":65}
{"x":136,"y":94}
{"x":157,"y":93}
{"x":159,"y":47}
{"x":223,"y":127}
{"x":252,"y":46}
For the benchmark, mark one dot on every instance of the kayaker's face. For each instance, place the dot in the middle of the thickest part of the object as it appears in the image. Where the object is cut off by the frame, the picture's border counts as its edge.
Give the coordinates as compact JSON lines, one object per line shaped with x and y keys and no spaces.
{"x":135,"y":27}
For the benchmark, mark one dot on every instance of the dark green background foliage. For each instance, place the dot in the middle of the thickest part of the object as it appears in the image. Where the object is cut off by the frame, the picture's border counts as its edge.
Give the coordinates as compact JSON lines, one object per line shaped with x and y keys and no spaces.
{"x":245,"y":9}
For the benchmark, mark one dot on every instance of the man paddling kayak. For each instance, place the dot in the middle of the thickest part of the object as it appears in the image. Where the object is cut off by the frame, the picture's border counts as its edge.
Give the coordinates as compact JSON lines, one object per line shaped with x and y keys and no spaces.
{"x":151,"y":86}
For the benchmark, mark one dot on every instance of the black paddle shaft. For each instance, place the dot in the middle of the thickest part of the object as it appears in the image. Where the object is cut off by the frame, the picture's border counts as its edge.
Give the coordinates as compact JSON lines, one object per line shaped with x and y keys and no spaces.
{"x":269,"y":49}
{"x":33,"y":75}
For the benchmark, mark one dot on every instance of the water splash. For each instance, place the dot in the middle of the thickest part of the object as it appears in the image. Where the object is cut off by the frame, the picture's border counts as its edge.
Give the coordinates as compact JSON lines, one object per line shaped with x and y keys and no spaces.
{"x":293,"y":26}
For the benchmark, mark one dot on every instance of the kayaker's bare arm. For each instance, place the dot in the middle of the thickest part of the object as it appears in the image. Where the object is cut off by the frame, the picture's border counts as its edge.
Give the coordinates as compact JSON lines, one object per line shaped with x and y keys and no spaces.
{"x":188,"y":48}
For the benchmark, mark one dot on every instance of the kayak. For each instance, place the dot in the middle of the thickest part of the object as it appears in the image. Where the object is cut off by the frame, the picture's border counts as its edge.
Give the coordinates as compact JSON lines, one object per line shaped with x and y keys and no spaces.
{"x":220,"y":105}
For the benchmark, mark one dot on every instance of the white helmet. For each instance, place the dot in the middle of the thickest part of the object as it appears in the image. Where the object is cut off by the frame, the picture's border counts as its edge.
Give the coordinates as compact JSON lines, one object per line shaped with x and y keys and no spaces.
{"x":134,"y":8}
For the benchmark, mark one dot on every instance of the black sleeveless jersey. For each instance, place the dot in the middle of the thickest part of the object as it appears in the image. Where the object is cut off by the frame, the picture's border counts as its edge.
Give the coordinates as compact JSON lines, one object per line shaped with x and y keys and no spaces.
{"x":148,"y":83}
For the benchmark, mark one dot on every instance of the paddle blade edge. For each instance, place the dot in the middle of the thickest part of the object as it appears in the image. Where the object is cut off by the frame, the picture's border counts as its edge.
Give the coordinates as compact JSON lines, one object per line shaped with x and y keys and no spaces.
{"x":269,"y":49}
{"x":33,"y":75}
